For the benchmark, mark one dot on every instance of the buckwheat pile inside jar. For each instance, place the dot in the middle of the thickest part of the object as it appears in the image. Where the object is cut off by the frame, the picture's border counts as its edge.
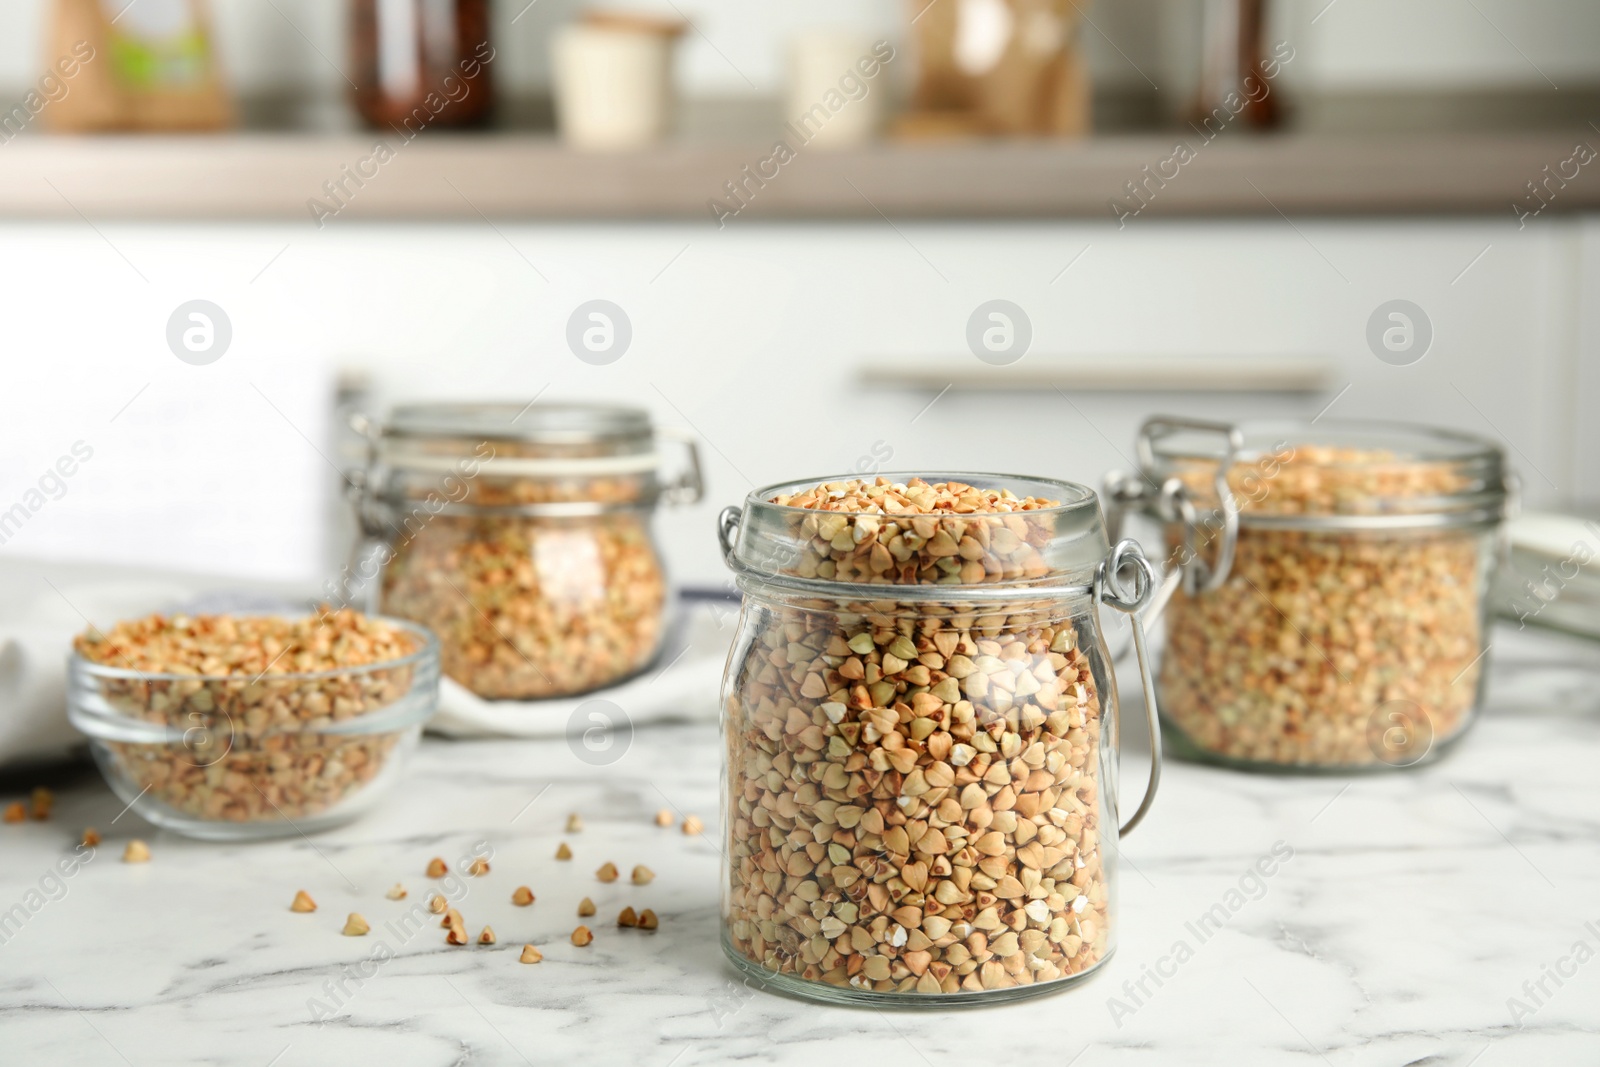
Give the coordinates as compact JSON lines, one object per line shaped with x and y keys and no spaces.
{"x":1349,"y":631}
{"x":916,"y":781}
{"x":528,"y":607}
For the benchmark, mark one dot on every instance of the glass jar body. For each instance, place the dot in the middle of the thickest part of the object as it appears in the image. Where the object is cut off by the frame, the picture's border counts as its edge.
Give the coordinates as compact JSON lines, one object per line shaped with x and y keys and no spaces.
{"x":1330,"y":650}
{"x":532,"y":606}
{"x":920,"y":796}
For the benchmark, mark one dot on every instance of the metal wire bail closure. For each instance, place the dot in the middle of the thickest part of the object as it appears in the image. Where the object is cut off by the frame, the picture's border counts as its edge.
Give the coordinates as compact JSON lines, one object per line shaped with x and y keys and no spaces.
{"x":690,"y":486}
{"x":1175,"y":502}
{"x":1111,"y":588}
{"x":728,"y":520}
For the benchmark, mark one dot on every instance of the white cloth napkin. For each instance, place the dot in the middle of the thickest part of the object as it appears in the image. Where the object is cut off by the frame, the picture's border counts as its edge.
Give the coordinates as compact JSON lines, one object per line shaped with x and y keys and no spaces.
{"x":681,"y":685}
{"x":35,"y":638}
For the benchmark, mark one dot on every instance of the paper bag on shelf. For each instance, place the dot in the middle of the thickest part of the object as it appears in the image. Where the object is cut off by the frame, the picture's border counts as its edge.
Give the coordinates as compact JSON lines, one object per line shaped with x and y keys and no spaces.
{"x":998,"y":67}
{"x":149,"y":65}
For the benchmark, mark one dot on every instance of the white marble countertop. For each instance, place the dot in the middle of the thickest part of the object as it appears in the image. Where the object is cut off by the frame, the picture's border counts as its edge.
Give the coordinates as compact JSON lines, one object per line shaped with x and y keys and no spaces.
{"x":1414,"y":907}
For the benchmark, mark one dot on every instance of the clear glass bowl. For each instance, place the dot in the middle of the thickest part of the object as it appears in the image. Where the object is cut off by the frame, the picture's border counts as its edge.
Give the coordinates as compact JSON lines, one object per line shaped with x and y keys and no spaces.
{"x":231,"y":757}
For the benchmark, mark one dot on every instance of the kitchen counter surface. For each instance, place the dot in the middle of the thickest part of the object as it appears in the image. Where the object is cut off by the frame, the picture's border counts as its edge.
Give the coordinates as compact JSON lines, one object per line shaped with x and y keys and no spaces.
{"x":1403,"y":912}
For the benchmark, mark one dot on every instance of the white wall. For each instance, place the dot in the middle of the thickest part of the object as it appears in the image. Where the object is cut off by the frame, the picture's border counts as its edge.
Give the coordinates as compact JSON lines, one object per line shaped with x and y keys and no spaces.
{"x":752,"y":336}
{"x":1352,"y":44}
{"x":1357,"y":44}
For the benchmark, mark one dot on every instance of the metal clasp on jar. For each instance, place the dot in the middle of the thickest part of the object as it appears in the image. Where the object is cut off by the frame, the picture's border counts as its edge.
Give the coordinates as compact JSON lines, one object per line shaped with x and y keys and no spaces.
{"x":1174,"y":502}
{"x":1127,"y":562}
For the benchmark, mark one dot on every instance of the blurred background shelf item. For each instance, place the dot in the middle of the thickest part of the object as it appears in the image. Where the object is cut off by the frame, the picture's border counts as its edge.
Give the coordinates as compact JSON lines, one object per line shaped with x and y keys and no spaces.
{"x":151,"y":66}
{"x":271,"y":176}
{"x":1236,"y":72}
{"x":838,"y":87}
{"x":1010,"y":67}
{"x":614,"y":87}
{"x":421,"y":63}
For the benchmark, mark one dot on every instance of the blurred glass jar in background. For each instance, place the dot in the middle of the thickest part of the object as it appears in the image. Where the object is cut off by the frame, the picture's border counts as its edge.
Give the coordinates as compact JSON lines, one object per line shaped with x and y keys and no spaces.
{"x":521,"y":536}
{"x":421,"y":63}
{"x":1329,"y":587}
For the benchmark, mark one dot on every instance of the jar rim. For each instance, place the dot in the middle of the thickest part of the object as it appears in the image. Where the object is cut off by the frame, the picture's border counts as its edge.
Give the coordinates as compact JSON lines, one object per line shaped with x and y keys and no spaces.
{"x":1081,"y":496}
{"x":1459,"y":476}
{"x":1409,"y":444}
{"x":555,"y":440}
{"x":91,"y":713}
{"x":767,"y":537}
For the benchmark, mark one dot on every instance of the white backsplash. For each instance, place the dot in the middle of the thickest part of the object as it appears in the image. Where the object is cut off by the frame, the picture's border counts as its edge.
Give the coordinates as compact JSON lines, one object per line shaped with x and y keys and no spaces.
{"x":754,"y":336}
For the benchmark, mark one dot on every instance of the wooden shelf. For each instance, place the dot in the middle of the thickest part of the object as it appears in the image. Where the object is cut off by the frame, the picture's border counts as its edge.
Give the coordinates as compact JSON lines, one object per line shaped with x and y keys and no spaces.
{"x":514,"y":176}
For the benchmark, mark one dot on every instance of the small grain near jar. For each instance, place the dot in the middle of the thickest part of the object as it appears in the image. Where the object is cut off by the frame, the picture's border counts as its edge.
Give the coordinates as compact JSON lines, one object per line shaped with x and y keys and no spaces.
{"x":521,"y":535}
{"x":1329,"y":610}
{"x":920,"y":727}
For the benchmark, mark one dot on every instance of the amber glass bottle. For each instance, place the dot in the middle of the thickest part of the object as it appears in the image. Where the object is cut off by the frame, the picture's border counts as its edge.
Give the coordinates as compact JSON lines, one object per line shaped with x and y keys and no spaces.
{"x":422,"y":63}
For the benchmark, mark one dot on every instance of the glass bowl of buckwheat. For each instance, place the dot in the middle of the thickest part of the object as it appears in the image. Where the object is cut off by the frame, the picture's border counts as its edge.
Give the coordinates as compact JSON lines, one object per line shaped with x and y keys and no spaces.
{"x":237,"y":727}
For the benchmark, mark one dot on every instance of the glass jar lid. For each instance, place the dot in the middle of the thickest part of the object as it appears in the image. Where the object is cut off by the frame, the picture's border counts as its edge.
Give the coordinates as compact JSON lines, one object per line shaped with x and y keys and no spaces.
{"x":561,"y":438}
{"x":570,"y":425}
{"x":1355,"y":474}
{"x":962,"y":532}
{"x":567,"y":458}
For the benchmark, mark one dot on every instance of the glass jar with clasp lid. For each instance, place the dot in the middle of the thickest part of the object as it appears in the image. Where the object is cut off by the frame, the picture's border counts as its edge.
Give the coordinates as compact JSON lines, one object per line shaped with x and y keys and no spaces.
{"x":920,"y":724}
{"x":1326,"y":602}
{"x":521,"y":535}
